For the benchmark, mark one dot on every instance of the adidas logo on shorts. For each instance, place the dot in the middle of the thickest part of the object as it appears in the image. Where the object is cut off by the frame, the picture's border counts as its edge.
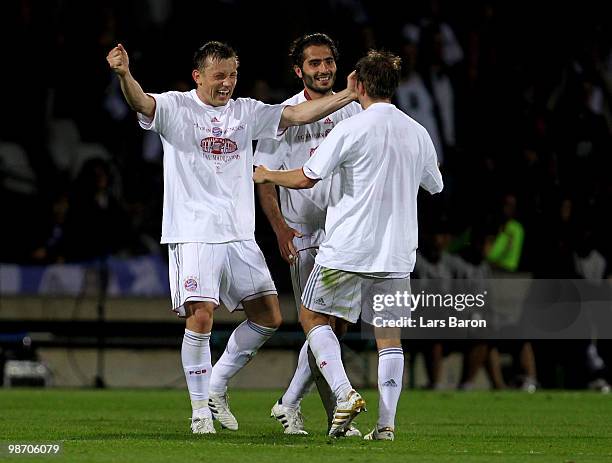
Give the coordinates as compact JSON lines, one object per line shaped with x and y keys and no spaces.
{"x":390,"y":383}
{"x":319,"y":301}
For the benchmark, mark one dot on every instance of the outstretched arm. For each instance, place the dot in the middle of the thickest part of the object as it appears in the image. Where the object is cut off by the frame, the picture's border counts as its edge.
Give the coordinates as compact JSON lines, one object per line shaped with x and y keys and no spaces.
{"x":294,"y":178}
{"x":138,"y":100}
{"x":313,"y":110}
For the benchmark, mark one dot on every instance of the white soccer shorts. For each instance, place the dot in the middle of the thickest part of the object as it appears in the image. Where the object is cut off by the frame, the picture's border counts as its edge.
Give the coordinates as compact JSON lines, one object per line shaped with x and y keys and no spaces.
{"x":218,"y":272}
{"x":307,"y":248}
{"x":348,"y":295}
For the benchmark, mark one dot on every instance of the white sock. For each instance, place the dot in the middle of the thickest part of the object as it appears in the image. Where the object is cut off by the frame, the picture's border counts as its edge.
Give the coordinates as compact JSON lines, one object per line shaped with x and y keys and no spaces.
{"x":243,"y":344}
{"x":390,"y":376}
{"x":195,"y":355}
{"x":301,"y":381}
{"x":326,"y":349}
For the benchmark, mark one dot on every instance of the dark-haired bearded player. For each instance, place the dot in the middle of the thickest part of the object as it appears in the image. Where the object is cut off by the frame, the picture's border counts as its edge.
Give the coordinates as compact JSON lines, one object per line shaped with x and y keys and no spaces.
{"x":299,"y":221}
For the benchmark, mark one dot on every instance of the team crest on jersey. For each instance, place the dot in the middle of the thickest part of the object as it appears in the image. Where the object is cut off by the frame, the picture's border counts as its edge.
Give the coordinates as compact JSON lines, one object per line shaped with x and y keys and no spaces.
{"x":219,"y":150}
{"x":218,"y":145}
{"x":217,"y":131}
{"x":191,"y":284}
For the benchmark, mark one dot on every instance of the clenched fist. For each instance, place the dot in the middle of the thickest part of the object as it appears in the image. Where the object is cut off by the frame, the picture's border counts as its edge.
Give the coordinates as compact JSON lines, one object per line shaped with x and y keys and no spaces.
{"x":118,"y":60}
{"x":259,"y":176}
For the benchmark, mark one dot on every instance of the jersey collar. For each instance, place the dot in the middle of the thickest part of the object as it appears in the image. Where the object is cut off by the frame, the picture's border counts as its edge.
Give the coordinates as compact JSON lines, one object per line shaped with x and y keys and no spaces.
{"x":208,"y":107}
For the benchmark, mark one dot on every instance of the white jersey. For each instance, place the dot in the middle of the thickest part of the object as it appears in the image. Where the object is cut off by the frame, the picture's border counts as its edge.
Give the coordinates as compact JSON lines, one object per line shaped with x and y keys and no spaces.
{"x":383,"y":156}
{"x":291,"y":152}
{"x":208,"y":165}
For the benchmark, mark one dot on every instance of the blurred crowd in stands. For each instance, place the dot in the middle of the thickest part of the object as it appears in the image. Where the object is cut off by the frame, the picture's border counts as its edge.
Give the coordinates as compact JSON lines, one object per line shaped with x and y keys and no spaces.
{"x":517,"y":97}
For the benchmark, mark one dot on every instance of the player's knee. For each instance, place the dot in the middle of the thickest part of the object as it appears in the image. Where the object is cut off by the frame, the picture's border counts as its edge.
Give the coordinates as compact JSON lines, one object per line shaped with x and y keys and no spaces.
{"x":308,"y":318}
{"x":265,"y":312}
{"x":272,"y":320}
{"x":201,"y":312}
{"x":304,"y":316}
{"x":277,"y":320}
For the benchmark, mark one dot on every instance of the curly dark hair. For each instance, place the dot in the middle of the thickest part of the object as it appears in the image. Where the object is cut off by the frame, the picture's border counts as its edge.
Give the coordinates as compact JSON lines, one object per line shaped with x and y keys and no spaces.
{"x":296,"y":50}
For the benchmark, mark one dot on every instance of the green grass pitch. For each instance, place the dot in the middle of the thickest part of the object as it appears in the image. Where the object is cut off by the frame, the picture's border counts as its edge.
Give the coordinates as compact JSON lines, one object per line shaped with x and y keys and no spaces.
{"x":153,"y":426}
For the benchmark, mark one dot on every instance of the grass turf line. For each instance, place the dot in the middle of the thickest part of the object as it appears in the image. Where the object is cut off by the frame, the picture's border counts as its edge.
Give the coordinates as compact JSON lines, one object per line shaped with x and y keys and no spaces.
{"x":153,"y":426}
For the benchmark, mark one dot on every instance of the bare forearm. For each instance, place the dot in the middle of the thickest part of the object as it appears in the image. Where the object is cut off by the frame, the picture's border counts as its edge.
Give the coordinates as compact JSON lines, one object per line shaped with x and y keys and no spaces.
{"x":313,"y":110}
{"x":294,"y":179}
{"x":135,"y":96}
{"x":269,"y":203}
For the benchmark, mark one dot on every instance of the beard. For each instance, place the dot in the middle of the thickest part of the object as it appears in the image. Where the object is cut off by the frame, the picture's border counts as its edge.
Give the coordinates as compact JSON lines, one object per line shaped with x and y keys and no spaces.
{"x":313,"y":85}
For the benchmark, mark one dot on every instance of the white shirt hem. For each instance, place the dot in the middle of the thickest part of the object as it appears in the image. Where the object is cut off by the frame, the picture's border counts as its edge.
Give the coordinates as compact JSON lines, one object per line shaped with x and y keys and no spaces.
{"x":172,"y":240}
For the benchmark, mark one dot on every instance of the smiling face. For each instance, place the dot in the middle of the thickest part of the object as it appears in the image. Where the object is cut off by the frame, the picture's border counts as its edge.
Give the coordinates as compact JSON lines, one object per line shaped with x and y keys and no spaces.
{"x":216,"y":80}
{"x":318,"y":71}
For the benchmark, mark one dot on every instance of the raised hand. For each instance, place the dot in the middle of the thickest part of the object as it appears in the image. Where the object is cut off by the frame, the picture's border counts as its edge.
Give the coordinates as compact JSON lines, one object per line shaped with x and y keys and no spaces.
{"x":351,"y":84}
{"x":118,"y":60}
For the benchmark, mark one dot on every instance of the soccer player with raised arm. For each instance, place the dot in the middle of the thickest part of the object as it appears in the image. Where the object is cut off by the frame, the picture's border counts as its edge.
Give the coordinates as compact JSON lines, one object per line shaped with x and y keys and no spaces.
{"x":382,"y":156}
{"x":209,"y":213}
{"x":299,"y":220}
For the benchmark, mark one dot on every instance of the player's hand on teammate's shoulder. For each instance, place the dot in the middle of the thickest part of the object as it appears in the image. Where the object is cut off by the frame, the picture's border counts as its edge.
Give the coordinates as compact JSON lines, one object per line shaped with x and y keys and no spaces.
{"x":259,"y":176}
{"x":118,"y":60}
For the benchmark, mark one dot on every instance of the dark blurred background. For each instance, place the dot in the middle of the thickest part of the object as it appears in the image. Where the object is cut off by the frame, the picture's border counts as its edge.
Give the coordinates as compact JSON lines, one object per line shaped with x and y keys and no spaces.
{"x":515,"y":94}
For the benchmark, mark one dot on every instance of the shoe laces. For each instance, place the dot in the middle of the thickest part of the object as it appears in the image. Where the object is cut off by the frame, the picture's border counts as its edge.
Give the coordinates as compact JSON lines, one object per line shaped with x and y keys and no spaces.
{"x":296,"y":419}
{"x":384,"y":429}
{"x":198,"y":423}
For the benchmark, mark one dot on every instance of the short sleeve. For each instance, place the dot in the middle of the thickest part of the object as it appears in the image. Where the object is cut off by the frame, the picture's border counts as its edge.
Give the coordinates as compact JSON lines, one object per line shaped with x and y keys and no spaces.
{"x":431,"y":178}
{"x":271,"y":153}
{"x":165,"y":106}
{"x":353,"y":109}
{"x":329,"y":155}
{"x":265,"y":118}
